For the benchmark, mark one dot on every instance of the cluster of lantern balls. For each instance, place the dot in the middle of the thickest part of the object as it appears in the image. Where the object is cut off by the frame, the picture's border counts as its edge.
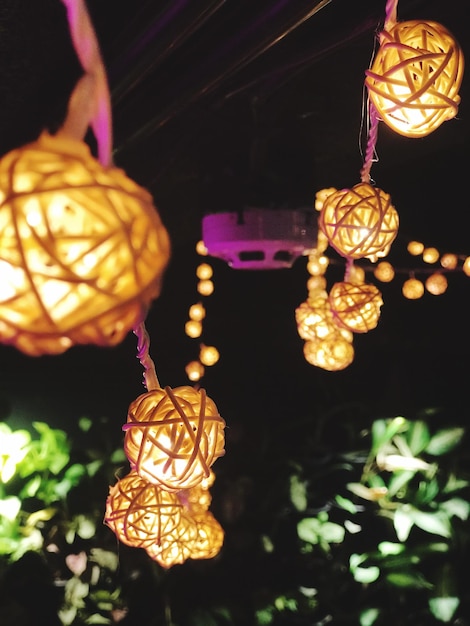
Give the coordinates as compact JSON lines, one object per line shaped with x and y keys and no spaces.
{"x":413,"y":86}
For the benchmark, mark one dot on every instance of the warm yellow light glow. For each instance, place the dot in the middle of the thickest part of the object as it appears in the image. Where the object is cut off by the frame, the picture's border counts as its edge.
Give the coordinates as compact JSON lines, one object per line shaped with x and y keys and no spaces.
{"x":175,"y":547}
{"x":197,"y":312}
{"x":356,"y":274}
{"x":83,"y":248}
{"x":333,"y":353}
{"x":315,"y":320}
{"x":449,"y":261}
{"x":415,"y":77}
{"x":384,"y":272}
{"x":322,"y":195}
{"x":356,"y":306}
{"x":317,"y":264}
{"x":209,"y":538}
{"x":194,"y":370}
{"x":208,"y":355}
{"x":204,"y":271}
{"x":430,"y":255}
{"x":436,"y":284}
{"x":193,"y":328}
{"x":413,"y":289}
{"x":205,"y":287}
{"x":360,"y":222}
{"x":466,"y":266}
{"x":415,"y":248}
{"x":316,"y":284}
{"x":173,"y":436}
{"x":201,"y":248}
{"x":141,"y":513}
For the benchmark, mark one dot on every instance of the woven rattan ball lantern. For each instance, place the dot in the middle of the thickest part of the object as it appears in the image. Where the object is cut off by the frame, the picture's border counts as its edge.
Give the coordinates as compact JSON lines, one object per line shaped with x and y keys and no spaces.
{"x":315,"y":320}
{"x":175,"y":547}
{"x":360,"y":222}
{"x":198,"y":499}
{"x":436,"y":284}
{"x":82,"y":248}
{"x":173,"y":436}
{"x":140,"y":513}
{"x":333,"y":353}
{"x":209,"y":538}
{"x":415,"y":77}
{"x":356,"y":306}
{"x":413,"y":289}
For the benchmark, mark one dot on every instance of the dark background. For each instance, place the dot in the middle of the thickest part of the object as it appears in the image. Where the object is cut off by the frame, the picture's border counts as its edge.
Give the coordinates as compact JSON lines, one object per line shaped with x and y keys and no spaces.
{"x":221,"y":104}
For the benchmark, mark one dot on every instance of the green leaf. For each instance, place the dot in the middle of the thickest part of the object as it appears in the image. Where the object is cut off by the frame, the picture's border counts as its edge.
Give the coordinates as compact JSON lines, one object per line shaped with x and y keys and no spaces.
{"x":298,"y":493}
{"x":346,"y":504}
{"x":85,"y":423}
{"x":332,"y":533}
{"x":418,"y":437}
{"x":368,"y":617}
{"x":402,"y":522}
{"x":96,"y":618}
{"x":455,"y":484}
{"x":388,"y":548}
{"x":309,"y":529}
{"x":409,"y":580}
{"x":444,"y":609}
{"x":118,"y":456}
{"x":434,"y":523}
{"x":456,"y":507}
{"x":383,"y":432}
{"x":366,"y":575}
{"x":444,"y":441}
{"x":398,"y":480}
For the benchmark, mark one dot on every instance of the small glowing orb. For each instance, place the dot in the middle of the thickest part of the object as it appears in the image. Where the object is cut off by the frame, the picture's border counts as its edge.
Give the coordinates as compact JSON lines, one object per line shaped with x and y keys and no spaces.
{"x":436,"y":284}
{"x":201,"y":248}
{"x":204,"y":271}
{"x":141,"y":513}
{"x":449,"y":261}
{"x":466,"y":266}
{"x":415,"y":248}
{"x":415,"y":77}
{"x":356,"y":306}
{"x":193,"y":328}
{"x":197,"y":312}
{"x":173,"y":436}
{"x":413,"y":289}
{"x":316,"y":284}
{"x":205,"y":287}
{"x":360,"y":222}
{"x":194,"y":370}
{"x":208,"y":355}
{"x":333,"y":353}
{"x":430,"y":255}
{"x":83,"y":249}
{"x":384,"y":272}
{"x":317,"y":264}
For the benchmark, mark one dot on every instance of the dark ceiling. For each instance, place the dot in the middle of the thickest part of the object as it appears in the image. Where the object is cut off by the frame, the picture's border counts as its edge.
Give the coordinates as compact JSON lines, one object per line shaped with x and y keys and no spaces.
{"x":218,"y":104}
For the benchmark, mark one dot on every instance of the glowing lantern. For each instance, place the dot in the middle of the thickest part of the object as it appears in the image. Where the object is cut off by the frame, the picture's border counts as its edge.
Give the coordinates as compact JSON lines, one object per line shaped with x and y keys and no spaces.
{"x":205,"y":287}
{"x":315,"y":319}
{"x":175,"y":547}
{"x":415,"y":248}
{"x":332,"y":353}
{"x":140,"y":513}
{"x":198,"y":499}
{"x":194,"y":370}
{"x":197,"y":312}
{"x":384,"y":272}
{"x":360,"y":222}
{"x":82,"y":248}
{"x":415,"y":77}
{"x":430,"y":255}
{"x":193,"y":328}
{"x":413,"y":289}
{"x":208,"y":355}
{"x":449,"y":261}
{"x":356,"y":306}
{"x":466,"y":266}
{"x":209,"y":538}
{"x":436,"y":284}
{"x":204,"y":271}
{"x":201,"y":248}
{"x":173,"y":436}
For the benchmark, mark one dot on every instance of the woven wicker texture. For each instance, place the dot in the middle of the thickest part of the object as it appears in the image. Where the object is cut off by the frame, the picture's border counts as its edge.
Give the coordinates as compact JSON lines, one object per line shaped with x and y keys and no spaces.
{"x":140,"y":513}
{"x":175,"y":547}
{"x":209,"y":538}
{"x":198,"y":499}
{"x":333,"y":353}
{"x":174,"y":436}
{"x":82,"y":248}
{"x":315,"y":320}
{"x":359,"y":222}
{"x":415,"y":77}
{"x":356,"y":306}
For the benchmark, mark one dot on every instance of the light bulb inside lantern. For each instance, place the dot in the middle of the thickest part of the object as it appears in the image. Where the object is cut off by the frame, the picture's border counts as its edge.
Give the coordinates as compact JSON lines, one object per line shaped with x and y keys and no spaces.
{"x":413,"y":289}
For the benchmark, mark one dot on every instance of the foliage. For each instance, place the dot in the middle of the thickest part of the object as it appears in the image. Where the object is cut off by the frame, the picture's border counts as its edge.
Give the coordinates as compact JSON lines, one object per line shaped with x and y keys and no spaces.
{"x":329,"y":522}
